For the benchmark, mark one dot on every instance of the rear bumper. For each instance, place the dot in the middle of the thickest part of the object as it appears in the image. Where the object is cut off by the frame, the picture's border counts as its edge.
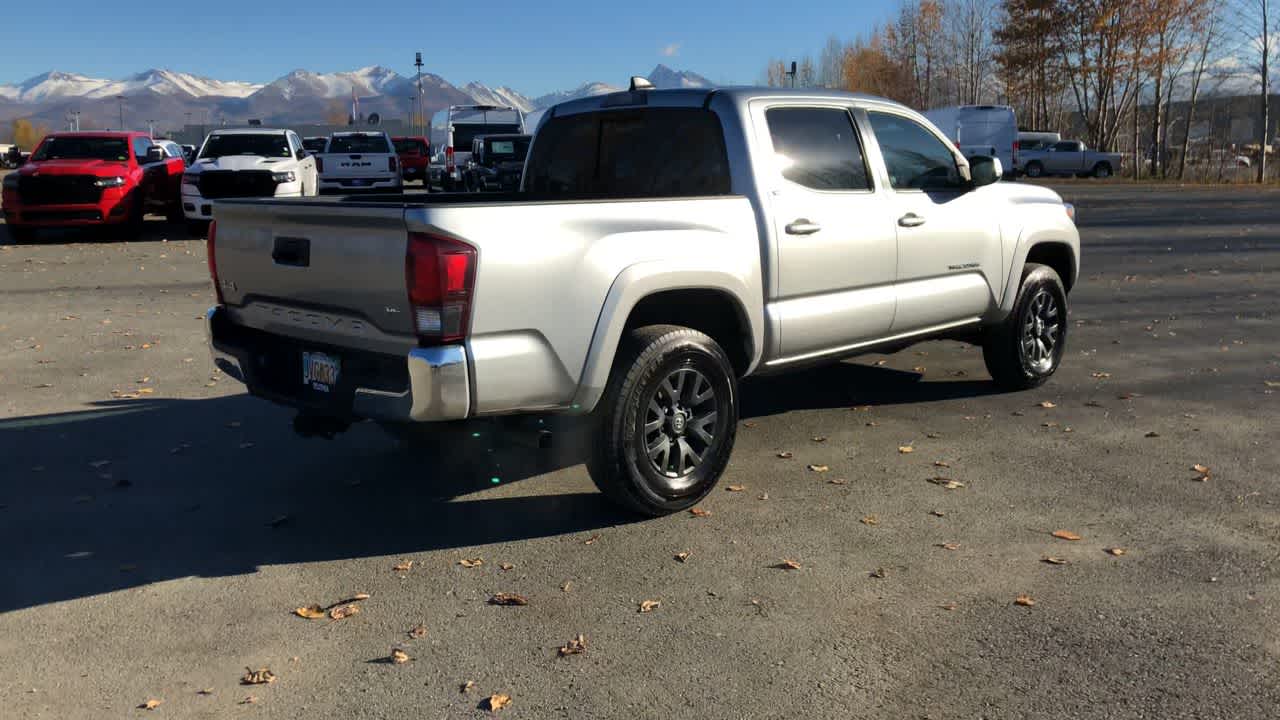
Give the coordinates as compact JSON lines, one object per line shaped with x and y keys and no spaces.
{"x":434,"y":385}
{"x":352,"y":185}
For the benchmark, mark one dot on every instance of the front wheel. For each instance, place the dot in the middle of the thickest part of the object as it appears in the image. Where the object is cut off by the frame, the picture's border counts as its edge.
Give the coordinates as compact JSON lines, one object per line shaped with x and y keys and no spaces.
{"x":1034,"y":170}
{"x":1026,"y":349}
{"x":666,"y":425}
{"x":1102,"y":170}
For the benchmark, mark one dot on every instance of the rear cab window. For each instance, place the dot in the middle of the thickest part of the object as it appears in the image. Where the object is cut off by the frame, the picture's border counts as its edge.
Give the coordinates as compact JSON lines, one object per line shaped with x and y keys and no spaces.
{"x":372,"y":144}
{"x":631,"y":153}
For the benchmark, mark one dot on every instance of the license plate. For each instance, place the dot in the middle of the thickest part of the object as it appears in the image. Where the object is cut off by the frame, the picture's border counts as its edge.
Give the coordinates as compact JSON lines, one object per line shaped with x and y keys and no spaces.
{"x":359,"y":183}
{"x":320,"y":371}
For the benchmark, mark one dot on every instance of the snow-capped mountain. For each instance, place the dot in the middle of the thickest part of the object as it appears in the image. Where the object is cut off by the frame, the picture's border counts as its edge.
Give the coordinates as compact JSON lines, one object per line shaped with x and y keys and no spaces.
{"x":485,"y":95}
{"x":664,"y":78}
{"x":584,"y":90}
{"x":56,"y":85}
{"x":365,"y":82}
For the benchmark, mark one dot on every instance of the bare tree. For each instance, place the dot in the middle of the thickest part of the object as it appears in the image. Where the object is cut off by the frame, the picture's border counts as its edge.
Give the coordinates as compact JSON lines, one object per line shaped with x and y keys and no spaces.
{"x":1029,"y":61}
{"x":1256,"y":21}
{"x":1207,"y":30}
{"x":806,"y":74}
{"x":970,"y":24}
{"x":831,"y":64}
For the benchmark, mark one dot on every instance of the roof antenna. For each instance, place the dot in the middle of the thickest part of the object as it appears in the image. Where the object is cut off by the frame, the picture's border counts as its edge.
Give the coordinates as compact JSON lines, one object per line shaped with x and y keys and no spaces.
{"x":640,"y":83}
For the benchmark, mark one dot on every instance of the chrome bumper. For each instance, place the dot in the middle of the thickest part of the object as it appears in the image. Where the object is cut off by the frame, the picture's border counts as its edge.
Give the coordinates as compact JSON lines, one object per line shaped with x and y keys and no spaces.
{"x":439,"y":380}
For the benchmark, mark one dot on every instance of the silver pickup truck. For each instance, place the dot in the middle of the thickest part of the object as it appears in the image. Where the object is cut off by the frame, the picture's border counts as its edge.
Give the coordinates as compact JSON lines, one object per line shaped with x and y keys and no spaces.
{"x":1069,"y":157}
{"x":664,"y":245}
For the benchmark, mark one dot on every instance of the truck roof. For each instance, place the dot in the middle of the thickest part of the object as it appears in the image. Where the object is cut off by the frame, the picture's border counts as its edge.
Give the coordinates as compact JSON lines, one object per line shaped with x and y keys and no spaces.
{"x":123,"y":134}
{"x":697,"y":97}
{"x":248,"y":131}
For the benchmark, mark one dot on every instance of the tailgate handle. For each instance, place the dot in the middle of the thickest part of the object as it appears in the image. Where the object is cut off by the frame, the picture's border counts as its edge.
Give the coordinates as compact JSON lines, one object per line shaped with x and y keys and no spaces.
{"x":292,"y":251}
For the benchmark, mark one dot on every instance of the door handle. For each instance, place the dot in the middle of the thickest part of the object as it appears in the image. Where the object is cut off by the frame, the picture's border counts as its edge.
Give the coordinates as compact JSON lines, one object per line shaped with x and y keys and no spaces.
{"x":803,"y":227}
{"x":910,"y":220}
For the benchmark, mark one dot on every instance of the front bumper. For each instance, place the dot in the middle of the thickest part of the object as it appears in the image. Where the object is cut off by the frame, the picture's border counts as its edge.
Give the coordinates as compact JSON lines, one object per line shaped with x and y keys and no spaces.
{"x":197,"y":207}
{"x":434,"y":385}
{"x":112,"y":208}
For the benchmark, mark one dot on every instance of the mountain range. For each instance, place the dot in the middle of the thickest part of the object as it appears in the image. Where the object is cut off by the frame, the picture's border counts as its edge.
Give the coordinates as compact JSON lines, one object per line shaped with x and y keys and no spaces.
{"x":170,"y":98}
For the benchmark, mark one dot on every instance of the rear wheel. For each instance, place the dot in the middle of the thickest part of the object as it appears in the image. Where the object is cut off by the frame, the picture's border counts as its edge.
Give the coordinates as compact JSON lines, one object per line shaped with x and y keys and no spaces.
{"x":1034,"y":169}
{"x":665,"y":427}
{"x":1102,"y":170}
{"x":1026,"y":349}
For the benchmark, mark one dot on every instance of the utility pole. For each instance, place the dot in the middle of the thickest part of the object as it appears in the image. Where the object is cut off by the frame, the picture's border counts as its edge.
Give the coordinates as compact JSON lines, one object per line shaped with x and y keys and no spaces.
{"x":77,"y":116}
{"x":417,"y":62}
{"x":1266,"y":90}
{"x":120,"y":99}
{"x":151,"y":129}
{"x":792,"y":74}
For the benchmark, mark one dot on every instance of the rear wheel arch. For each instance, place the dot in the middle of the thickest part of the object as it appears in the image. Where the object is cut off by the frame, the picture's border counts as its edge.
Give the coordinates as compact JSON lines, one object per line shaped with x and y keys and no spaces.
{"x":715,"y":313}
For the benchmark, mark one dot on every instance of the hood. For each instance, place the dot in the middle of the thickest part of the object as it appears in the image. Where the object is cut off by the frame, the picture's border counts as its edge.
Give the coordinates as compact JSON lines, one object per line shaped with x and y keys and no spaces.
{"x":99,"y":168}
{"x":245,"y":162}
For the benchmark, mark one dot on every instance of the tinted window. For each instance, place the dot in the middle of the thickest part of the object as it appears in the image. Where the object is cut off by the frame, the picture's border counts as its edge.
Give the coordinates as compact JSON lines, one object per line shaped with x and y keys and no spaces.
{"x":358,"y":144}
{"x":915,"y":158}
{"x":506,"y":149}
{"x":140,"y":145}
{"x":465,"y":134}
{"x":315,"y":144}
{"x":1069,"y":146}
{"x":818,"y":148}
{"x":265,"y":145}
{"x":410,"y":146}
{"x":87,"y":148}
{"x":663,"y":152}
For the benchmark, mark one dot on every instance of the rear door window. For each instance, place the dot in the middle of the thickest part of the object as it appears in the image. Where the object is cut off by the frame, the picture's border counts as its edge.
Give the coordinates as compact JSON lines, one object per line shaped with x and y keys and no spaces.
{"x":659,"y":152}
{"x":818,"y":148}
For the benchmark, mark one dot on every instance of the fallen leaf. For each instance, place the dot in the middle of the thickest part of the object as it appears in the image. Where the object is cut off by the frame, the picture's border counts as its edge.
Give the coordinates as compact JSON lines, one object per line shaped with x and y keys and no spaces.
{"x":1272,"y":383}
{"x":1055,"y":560}
{"x":508,"y":599}
{"x":699,"y":512}
{"x":736,"y":488}
{"x":933,"y":435}
{"x":905,"y":449}
{"x":1127,"y":396}
{"x":880,"y":573}
{"x":466,"y":686}
{"x":946,"y":483}
{"x":937,"y":513}
{"x":819,"y":439}
{"x":399,"y":657}
{"x":575,"y":646}
{"x":417,"y":632}
{"x":356,"y":598}
{"x":785,"y":455}
{"x":473,"y":563}
{"x":873,"y":423}
{"x":205,"y":691}
{"x":310,"y":612}
{"x":948,"y":546}
{"x":1116,"y":551}
{"x":261,"y":676}
{"x":403,"y":566}
{"x":649,"y":605}
{"x":941,"y":464}
{"x":1024,"y":600}
{"x":1047,"y":404}
{"x":819,"y":468}
{"x":498,"y":701}
{"x":342,"y":612}
{"x":949,"y":606}
{"x":1101,"y":375}
{"x":506,"y":566}
{"x":150,"y":704}
{"x":837,"y":481}
{"x":871,"y":520}
{"x":1202,"y":469}
{"x":764,"y":496}
{"x":566,"y":586}
{"x":1066,"y":535}
{"x":682,"y":556}
{"x":591,"y":540}
{"x":249,"y":700}
{"x":788,"y":565}
{"x":1152,"y":434}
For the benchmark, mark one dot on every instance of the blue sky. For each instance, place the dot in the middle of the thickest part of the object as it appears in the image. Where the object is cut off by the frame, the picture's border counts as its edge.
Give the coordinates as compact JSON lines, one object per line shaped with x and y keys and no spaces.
{"x":558,"y":46}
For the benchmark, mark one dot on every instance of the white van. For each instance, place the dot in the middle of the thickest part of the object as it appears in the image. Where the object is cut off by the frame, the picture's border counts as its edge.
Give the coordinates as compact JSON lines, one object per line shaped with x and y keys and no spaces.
{"x":989,"y":130}
{"x":463,"y":124}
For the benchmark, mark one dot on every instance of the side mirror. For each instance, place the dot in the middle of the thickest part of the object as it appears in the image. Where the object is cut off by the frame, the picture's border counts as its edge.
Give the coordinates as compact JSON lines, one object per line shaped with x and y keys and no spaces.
{"x":985,"y":170}
{"x":155,"y":154}
{"x":300,"y":154}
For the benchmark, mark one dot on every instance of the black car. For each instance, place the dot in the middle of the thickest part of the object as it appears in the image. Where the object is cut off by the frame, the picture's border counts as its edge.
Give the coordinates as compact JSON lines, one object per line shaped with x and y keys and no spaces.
{"x":497,"y":162}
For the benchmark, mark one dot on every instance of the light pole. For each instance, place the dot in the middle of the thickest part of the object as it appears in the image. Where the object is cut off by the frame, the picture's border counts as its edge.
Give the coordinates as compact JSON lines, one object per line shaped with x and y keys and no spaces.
{"x":417,"y":62}
{"x":77,"y":116}
{"x":151,"y":129}
{"x":120,"y":99}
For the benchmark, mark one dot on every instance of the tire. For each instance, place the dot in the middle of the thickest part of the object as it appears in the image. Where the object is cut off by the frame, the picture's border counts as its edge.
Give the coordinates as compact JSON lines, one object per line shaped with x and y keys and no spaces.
{"x":133,"y":225}
{"x":198,"y":228}
{"x":653,"y":362}
{"x":1102,"y":170}
{"x":174,"y":215}
{"x":21,"y":234}
{"x":1034,"y":169}
{"x":1018,"y":353}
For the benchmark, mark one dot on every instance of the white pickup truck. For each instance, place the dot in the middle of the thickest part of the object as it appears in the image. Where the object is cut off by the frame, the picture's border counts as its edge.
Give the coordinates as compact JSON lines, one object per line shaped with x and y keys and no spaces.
{"x":359,"y":162}
{"x":664,"y":245}
{"x":245,"y":162}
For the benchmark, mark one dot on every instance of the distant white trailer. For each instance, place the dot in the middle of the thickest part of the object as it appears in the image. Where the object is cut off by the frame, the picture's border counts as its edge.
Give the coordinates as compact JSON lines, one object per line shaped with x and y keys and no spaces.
{"x":987,"y":130}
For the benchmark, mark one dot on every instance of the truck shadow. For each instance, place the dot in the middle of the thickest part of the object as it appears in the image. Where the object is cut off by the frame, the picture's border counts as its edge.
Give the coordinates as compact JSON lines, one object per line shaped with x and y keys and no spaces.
{"x":128,"y":493}
{"x":154,"y":229}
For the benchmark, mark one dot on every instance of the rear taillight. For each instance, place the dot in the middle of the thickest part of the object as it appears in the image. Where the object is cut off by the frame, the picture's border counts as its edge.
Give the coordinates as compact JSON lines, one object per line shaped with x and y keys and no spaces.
{"x":319,"y":164}
{"x":448,"y":159}
{"x":1015,"y":153}
{"x":440,"y":273}
{"x":391,"y":163}
{"x":211,"y":251}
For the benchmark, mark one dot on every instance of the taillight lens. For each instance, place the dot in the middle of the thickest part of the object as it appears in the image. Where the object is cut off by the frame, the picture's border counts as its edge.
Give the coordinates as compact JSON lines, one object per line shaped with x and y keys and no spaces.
{"x":211,"y":250}
{"x":440,"y":273}
{"x":319,"y":164}
{"x":448,"y":159}
{"x":391,"y":163}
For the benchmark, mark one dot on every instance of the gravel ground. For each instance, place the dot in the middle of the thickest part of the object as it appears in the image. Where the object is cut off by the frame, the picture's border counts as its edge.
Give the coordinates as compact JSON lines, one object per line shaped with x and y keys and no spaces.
{"x":162,"y":525}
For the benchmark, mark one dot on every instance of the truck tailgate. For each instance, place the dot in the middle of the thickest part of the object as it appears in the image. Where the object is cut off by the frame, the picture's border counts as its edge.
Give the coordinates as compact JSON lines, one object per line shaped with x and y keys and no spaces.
{"x":324,"y":271}
{"x":358,"y":165}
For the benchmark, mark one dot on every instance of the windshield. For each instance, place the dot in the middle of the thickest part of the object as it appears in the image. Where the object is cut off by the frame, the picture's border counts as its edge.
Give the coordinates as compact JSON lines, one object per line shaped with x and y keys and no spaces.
{"x":410,"y":146}
{"x":358,"y":144}
{"x":506,"y":149}
{"x":315,"y":144}
{"x":83,"y":148}
{"x":237,"y":144}
{"x":463,"y":135}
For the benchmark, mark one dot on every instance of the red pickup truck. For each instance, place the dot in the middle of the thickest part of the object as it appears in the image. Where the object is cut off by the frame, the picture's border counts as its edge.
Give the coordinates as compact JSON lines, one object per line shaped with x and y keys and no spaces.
{"x":415,"y":156}
{"x":89,"y":179}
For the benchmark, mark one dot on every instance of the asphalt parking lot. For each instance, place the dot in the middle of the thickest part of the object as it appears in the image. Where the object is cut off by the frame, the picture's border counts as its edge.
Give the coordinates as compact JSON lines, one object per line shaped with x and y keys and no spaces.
{"x":161,"y":526}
